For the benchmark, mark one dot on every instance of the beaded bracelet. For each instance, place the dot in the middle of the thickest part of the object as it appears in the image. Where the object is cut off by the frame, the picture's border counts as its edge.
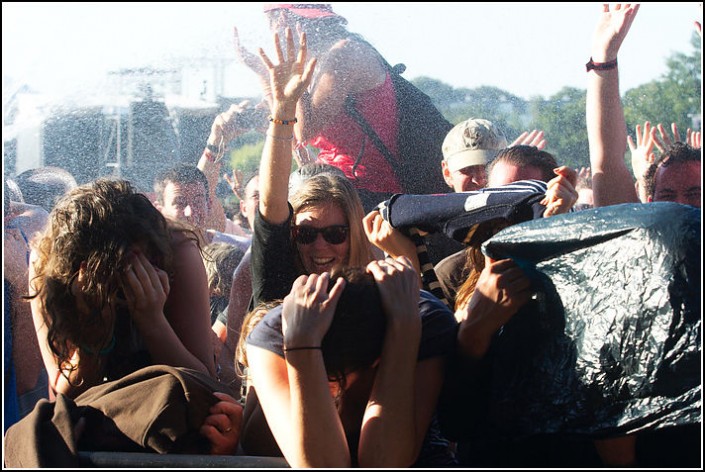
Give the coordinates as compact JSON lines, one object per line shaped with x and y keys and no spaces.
{"x":609,"y":65}
{"x":282,"y":122}
{"x":301,"y":348}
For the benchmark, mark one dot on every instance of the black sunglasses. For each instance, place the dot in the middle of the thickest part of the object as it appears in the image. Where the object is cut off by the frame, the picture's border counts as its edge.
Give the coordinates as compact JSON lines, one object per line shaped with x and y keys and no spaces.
{"x":336,"y":234}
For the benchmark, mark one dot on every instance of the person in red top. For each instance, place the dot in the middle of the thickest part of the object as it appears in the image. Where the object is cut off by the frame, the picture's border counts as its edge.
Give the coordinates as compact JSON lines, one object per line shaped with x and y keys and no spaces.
{"x":348,"y":67}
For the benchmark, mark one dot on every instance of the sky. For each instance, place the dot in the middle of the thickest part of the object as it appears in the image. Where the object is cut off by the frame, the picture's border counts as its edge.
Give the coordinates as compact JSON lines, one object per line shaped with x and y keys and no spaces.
{"x":527,"y":49}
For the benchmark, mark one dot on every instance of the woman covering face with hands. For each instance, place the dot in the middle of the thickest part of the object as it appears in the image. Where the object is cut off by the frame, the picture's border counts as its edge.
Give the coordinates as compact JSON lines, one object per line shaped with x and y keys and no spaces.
{"x":349,"y":367}
{"x":114,"y":287}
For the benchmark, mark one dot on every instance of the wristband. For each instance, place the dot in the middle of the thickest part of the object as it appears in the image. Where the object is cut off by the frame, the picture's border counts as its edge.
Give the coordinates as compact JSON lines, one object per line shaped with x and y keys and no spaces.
{"x":282,"y":122}
{"x":213,"y":148}
{"x":600,"y":65}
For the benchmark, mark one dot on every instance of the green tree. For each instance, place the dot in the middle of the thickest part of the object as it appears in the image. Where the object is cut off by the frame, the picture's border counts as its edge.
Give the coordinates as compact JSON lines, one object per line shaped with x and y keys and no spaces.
{"x":562,"y":118}
{"x":673,"y":98}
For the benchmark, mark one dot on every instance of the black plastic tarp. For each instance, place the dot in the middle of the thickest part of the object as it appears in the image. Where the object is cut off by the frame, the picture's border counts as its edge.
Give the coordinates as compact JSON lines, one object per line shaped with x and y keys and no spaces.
{"x":612,"y":343}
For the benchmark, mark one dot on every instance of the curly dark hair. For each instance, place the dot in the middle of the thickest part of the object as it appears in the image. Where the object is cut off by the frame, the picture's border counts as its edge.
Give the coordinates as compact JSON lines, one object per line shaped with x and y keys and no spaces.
{"x":92,"y":231}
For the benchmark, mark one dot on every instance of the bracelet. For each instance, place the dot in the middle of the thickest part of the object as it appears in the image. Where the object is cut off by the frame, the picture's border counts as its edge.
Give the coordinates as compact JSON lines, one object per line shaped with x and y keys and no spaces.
{"x":301,"y":348}
{"x":279,"y":138}
{"x":600,"y":65}
{"x":213,"y":148}
{"x":282,"y":122}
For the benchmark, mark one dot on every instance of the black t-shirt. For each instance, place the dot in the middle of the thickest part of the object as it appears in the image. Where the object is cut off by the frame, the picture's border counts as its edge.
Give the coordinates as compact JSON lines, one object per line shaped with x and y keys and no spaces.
{"x":438,"y":329}
{"x":273,"y":261}
{"x":438,"y":337}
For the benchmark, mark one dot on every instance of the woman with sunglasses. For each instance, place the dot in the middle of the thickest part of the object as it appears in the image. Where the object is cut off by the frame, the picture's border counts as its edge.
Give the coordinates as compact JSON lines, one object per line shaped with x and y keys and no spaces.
{"x":319,"y":226}
{"x":306,"y":413}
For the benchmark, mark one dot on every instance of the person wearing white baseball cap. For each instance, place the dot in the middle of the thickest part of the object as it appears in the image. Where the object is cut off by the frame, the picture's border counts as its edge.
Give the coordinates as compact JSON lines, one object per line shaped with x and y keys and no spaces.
{"x":467,"y":149}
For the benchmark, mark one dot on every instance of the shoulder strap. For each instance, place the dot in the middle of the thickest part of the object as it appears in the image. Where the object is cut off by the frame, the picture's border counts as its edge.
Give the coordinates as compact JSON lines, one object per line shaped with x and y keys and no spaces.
{"x":369,"y":131}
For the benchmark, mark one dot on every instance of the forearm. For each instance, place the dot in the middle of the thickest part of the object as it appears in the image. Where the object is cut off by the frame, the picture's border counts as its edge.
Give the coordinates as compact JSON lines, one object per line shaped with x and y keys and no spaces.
{"x":275,"y":166}
{"x":389,"y":436}
{"x":165,"y":347}
{"x":318,"y":438}
{"x":211,"y":169}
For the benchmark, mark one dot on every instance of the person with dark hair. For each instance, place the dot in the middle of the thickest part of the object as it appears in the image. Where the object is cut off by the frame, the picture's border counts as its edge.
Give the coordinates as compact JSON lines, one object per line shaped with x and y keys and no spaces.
{"x":331,"y":400}
{"x":114,"y":287}
{"x":521,"y":163}
{"x":44,"y":186}
{"x":182,"y":193}
{"x":674,"y":178}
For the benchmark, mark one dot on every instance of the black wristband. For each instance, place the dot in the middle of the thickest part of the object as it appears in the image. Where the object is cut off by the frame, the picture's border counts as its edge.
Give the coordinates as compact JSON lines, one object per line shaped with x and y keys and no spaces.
{"x":213,"y":148}
{"x":600,"y":65}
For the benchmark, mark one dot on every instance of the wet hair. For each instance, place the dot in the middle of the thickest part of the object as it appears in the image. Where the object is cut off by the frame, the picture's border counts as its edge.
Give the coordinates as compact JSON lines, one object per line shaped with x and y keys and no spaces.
{"x":305,"y":172}
{"x":95,"y":226}
{"x":355,"y":338}
{"x":526,"y":156}
{"x":678,"y":153}
{"x":220,"y":260}
{"x":356,"y":335}
{"x":475,"y":260}
{"x":180,"y":175}
{"x":326,"y":188}
{"x":44,"y":186}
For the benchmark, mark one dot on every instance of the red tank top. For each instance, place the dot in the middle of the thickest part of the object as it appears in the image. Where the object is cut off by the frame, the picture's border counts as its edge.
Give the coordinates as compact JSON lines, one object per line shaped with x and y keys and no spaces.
{"x":344,"y":143}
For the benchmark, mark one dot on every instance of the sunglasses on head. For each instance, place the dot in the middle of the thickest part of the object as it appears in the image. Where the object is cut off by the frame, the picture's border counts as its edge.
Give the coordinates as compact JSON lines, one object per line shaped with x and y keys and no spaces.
{"x":336,"y":234}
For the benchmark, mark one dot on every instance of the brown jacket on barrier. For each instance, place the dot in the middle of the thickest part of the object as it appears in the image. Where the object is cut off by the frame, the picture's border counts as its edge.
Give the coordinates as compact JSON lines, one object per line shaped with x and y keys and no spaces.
{"x":156,"y":409}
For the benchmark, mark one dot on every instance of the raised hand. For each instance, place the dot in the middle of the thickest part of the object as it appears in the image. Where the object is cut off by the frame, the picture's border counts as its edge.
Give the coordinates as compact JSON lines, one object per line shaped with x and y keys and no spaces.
{"x":236,"y":183}
{"x":561,"y":194}
{"x":308,"y":309}
{"x":383,"y":235}
{"x":247,"y":58}
{"x":501,"y":290}
{"x":663,"y":141}
{"x":642,"y":152}
{"x":291,"y":76}
{"x":534,"y":138}
{"x":611,"y":30}
{"x":398,"y":284}
{"x":693,"y":138}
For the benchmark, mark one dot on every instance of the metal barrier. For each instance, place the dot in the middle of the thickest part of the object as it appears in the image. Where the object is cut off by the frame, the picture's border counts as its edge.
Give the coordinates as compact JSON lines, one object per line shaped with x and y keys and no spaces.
{"x":180,"y":461}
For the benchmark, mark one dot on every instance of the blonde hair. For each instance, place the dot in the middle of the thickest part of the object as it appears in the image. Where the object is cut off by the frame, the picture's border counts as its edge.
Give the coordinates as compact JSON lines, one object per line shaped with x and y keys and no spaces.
{"x":248,"y":324}
{"x":323,"y":189}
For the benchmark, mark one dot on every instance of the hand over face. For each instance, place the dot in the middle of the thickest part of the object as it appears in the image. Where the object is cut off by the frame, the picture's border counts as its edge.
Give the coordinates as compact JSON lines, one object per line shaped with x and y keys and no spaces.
{"x":308,"y":309}
{"x":146,"y":288}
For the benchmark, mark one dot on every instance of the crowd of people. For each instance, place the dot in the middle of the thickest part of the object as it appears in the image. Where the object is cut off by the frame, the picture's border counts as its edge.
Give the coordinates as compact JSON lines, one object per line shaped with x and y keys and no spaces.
{"x":345,"y":322}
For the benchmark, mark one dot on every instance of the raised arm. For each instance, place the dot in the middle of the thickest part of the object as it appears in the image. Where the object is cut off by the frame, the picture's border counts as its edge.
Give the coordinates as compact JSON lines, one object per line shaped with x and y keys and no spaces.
{"x":226,"y":127}
{"x":181,"y":336}
{"x":294,"y":392}
{"x":405,"y":391}
{"x":289,"y":79}
{"x":642,"y":153}
{"x":612,"y":183}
